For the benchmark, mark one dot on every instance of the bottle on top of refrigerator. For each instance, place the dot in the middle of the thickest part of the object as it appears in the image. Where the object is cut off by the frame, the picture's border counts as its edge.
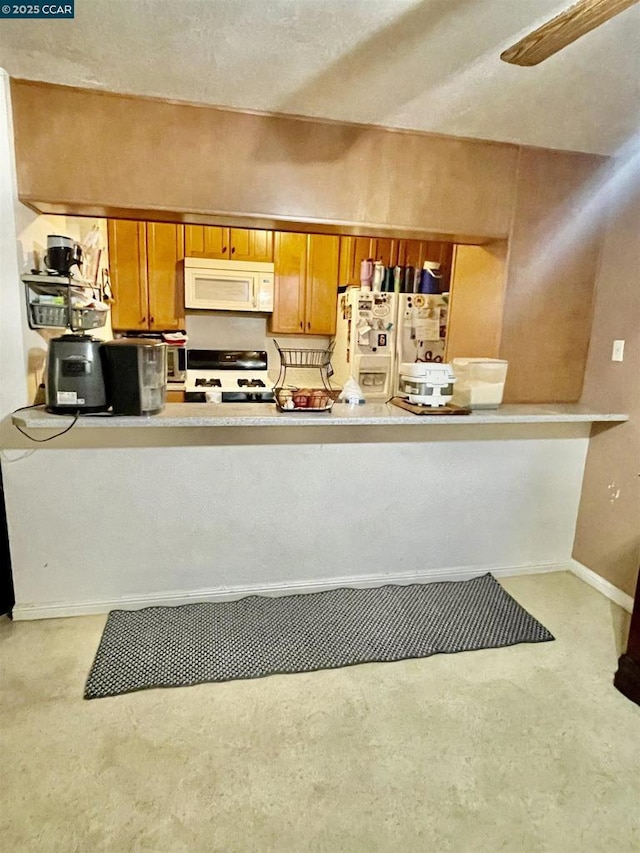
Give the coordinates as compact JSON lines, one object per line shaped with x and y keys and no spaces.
{"x":378,"y":276}
{"x":430,"y":277}
{"x":366,"y":274}
{"x":408,"y":280}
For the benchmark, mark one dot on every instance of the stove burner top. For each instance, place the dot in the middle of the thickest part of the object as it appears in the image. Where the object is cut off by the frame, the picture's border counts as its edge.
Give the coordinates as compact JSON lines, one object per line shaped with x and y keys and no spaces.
{"x":208,"y":383}
{"x":251,"y":383}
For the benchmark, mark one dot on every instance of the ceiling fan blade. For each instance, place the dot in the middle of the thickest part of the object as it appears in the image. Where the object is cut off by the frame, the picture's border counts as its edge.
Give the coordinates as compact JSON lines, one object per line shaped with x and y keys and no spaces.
{"x":565,"y":28}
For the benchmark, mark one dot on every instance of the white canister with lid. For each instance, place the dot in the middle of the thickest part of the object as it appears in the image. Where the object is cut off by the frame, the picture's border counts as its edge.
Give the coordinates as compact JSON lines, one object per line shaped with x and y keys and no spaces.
{"x":480,"y":382}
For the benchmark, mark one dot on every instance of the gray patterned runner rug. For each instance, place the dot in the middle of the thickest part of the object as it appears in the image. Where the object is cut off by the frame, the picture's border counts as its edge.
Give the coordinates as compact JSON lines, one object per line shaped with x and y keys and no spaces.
{"x":258,"y":635}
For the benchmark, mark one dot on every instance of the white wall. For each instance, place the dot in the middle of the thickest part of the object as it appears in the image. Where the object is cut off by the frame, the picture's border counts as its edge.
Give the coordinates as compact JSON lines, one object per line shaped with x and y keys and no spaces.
{"x":13,"y":370}
{"x":173,"y":524}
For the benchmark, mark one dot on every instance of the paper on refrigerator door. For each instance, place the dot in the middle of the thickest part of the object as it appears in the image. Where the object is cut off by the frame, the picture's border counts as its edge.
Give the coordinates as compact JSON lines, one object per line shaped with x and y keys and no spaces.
{"x":363,"y":333}
{"x":427,"y":329}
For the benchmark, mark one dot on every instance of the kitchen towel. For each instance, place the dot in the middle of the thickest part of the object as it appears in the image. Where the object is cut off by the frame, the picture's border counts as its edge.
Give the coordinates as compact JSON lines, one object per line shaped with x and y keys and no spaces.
{"x":259,"y":635}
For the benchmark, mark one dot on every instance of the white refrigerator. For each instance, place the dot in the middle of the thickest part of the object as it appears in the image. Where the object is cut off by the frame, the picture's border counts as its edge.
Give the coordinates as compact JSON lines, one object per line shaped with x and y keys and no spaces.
{"x":365,"y":342}
{"x":421,"y":330}
{"x":377,"y":332}
{"x":421,"y":327}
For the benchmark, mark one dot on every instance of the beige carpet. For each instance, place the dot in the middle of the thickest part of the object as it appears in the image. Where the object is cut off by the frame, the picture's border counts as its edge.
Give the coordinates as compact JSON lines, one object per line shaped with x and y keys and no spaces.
{"x":527,"y":748}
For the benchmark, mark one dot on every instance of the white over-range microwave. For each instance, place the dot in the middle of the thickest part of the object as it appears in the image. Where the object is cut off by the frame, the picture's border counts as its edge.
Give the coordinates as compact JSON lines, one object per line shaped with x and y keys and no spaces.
{"x":215,"y":285}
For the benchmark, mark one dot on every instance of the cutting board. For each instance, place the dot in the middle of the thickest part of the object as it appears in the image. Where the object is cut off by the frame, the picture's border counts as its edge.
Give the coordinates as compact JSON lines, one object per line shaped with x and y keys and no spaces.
{"x":449,"y":409}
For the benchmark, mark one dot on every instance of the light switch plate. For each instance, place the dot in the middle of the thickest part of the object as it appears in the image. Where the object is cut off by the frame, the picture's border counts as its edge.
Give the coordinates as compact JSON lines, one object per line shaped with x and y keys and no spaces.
{"x":617,"y":354}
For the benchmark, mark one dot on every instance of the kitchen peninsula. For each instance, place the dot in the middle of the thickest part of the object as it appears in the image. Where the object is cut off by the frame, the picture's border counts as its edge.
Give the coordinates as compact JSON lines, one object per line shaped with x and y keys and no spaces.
{"x":208,"y":502}
{"x":190,"y":505}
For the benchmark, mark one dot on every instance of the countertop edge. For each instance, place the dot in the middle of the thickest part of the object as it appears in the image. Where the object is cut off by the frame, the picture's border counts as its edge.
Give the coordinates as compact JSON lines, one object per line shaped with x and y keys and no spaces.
{"x":378,"y":415}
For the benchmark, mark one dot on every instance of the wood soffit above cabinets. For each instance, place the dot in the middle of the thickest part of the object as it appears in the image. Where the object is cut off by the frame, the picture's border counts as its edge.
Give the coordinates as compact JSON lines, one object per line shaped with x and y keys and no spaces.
{"x":141,"y":158}
{"x":243,"y":221}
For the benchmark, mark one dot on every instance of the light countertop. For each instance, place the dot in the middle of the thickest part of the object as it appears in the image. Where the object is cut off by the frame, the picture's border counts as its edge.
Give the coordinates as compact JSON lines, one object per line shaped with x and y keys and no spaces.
{"x":265,"y":414}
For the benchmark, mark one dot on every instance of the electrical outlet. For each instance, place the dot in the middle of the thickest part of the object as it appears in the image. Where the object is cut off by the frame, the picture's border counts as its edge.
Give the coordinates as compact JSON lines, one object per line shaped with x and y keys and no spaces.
{"x":617,"y":354}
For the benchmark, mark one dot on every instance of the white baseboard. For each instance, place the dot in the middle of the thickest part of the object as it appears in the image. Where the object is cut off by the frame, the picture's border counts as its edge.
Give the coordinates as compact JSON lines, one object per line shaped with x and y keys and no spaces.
{"x":177,"y":597}
{"x":598,"y":582}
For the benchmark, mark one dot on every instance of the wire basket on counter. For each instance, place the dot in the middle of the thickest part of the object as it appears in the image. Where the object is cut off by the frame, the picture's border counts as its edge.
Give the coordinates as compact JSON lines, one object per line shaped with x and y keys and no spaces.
{"x":297,"y":357}
{"x":44,"y":315}
{"x":305,"y":399}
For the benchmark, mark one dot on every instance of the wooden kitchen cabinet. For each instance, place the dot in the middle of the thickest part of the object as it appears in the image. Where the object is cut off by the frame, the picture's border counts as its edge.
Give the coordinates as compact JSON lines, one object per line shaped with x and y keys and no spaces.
{"x":165,"y":275}
{"x":306,"y":284}
{"x":477,"y":286}
{"x":391,"y":251}
{"x":411,"y":253}
{"x":249,"y":244}
{"x":290,"y":259}
{"x":128,"y":274}
{"x":321,"y":295}
{"x":145,"y":264}
{"x":385,"y":249}
{"x":206,"y":241}
{"x":353,"y":250}
{"x":237,"y":244}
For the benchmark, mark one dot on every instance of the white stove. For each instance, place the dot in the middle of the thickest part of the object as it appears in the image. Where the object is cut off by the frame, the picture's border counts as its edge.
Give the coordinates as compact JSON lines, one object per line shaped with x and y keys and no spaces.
{"x":239,"y":375}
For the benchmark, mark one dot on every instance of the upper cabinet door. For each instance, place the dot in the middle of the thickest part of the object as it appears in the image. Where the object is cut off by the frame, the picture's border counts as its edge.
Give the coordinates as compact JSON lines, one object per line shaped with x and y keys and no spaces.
{"x":411,"y":253}
{"x":165,"y":253}
{"x":353,"y":250}
{"x":128,"y":272}
{"x":363,"y":248}
{"x":237,"y":244}
{"x":206,"y":241}
{"x":477,"y":301}
{"x":345,"y":268}
{"x":249,"y":244}
{"x":290,"y":259}
{"x":322,"y":284}
{"x":262,"y":246}
{"x":385,"y":249}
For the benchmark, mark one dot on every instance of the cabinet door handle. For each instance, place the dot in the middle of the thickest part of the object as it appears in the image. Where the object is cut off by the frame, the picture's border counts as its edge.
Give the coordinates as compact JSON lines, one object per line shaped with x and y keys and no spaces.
{"x":152,"y":319}
{"x":301,"y":325}
{"x":308,"y":325}
{"x":233,"y":250}
{"x":143,"y":319}
{"x":224,"y":250}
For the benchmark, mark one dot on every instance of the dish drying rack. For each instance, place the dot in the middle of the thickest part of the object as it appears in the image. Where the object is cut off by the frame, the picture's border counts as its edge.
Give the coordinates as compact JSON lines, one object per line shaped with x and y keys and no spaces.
{"x":60,"y":314}
{"x":293,"y":399}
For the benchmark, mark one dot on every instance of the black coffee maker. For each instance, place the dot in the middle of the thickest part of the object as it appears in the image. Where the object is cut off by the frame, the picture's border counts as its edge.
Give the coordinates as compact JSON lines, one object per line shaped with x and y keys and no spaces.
{"x":62,"y":254}
{"x":75,"y":379}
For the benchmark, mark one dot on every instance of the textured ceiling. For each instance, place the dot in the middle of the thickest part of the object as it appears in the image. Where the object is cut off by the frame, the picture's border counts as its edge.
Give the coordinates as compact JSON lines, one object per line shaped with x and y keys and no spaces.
{"x":429,"y":65}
